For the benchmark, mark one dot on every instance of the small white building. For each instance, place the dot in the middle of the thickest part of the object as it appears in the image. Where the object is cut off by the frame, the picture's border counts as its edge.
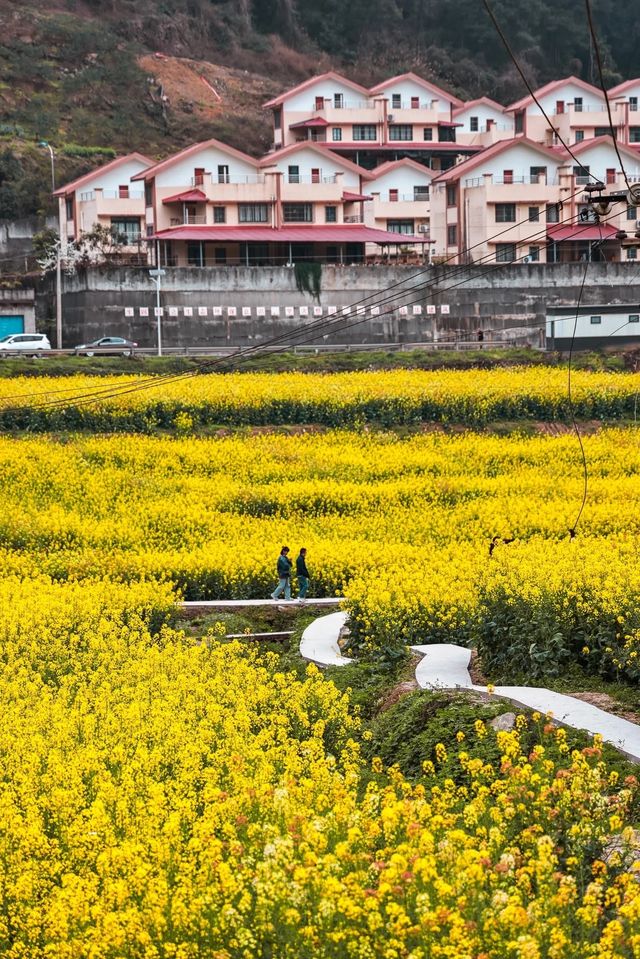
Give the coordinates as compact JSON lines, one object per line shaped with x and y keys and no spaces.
{"x":589,"y":327}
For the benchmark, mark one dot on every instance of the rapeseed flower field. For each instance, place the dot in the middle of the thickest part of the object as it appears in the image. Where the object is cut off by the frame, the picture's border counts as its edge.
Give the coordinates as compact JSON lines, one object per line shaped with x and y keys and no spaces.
{"x":162,"y":798}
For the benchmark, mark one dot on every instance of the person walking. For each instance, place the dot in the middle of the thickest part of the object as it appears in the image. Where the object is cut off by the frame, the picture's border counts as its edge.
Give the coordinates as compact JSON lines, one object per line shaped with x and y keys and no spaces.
{"x":303,"y":574}
{"x":284,"y":574}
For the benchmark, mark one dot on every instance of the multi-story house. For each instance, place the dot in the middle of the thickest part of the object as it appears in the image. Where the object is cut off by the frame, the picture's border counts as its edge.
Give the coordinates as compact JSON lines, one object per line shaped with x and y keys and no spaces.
{"x":106,"y":197}
{"x":624,"y":101}
{"x":405,"y":116}
{"x":211,"y":205}
{"x":576,"y":109}
{"x":520,"y":200}
{"x":482,"y":122}
{"x":400,"y":192}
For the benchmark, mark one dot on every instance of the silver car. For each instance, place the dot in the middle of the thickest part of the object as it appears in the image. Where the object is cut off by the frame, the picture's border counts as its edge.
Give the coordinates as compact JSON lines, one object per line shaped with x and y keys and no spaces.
{"x":107,"y":346}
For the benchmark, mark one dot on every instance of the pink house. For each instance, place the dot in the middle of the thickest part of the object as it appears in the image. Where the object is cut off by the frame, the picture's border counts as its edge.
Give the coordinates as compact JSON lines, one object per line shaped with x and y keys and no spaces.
{"x":482,"y":122}
{"x":106,"y":197}
{"x":577,"y":111}
{"x":405,"y":116}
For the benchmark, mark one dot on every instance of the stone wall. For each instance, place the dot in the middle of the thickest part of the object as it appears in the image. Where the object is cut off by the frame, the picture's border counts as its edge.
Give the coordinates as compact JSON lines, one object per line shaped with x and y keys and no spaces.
{"x":506,"y":301}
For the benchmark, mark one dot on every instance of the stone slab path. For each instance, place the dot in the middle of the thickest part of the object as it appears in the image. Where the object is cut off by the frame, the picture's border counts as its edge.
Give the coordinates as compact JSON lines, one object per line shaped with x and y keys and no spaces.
{"x":446,"y":666}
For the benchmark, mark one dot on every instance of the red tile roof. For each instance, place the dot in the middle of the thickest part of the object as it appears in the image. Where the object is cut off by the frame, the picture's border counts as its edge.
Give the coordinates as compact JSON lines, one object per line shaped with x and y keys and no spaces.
{"x":189,"y":196}
{"x":88,"y":177}
{"x":270,"y":159}
{"x":331,"y":75}
{"x":156,"y":168}
{"x":354,"y":197}
{"x":555,"y":85}
{"x":623,"y":87}
{"x":461,"y":169}
{"x":311,"y":122}
{"x":473,"y":103}
{"x":389,"y":165}
{"x":338,"y":233}
{"x":442,"y":94}
{"x":581,"y":231}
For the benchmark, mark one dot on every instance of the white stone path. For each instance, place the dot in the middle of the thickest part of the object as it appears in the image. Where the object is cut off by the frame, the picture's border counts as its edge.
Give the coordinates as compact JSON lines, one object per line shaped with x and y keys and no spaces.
{"x":446,"y":666}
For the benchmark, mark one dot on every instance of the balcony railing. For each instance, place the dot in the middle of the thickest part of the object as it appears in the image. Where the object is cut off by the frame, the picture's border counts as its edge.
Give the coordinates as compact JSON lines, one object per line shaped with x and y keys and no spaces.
{"x":330,"y":104}
{"x":408,"y":105}
{"x":311,"y":178}
{"x":112,"y":195}
{"x":355,"y":218}
{"x":405,"y":197}
{"x":224,"y":178}
{"x":191,"y":219}
{"x":539,"y":180}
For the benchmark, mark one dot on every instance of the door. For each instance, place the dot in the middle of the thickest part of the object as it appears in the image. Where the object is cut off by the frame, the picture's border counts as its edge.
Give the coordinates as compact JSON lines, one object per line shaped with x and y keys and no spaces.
{"x":11,"y":324}
{"x":223,"y":173}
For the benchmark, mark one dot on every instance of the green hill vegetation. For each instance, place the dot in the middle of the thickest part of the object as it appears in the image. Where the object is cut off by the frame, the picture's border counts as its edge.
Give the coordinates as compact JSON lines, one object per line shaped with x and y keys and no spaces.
{"x":94,"y":76}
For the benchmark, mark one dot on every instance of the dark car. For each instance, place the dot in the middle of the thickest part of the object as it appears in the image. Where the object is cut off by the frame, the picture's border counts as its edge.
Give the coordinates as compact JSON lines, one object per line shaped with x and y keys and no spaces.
{"x":107,"y":346}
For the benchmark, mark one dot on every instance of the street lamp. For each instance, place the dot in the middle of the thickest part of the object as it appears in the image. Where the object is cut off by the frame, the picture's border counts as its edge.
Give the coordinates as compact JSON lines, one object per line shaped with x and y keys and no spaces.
{"x":43,"y":143}
{"x":156,"y":275}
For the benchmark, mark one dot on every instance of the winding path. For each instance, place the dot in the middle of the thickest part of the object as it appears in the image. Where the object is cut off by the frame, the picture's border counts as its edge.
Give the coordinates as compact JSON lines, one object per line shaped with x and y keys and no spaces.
{"x":446,"y":666}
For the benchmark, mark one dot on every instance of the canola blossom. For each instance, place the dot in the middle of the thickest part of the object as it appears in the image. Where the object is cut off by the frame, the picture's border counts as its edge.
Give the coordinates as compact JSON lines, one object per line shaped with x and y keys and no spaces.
{"x":162,"y":799}
{"x":391,"y":398}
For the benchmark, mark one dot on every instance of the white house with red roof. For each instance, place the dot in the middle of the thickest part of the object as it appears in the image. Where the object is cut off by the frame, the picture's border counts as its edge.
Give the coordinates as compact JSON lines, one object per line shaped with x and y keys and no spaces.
{"x":520,"y":200}
{"x":576,"y":109}
{"x":626,"y":98}
{"x":400,"y":191}
{"x":482,"y":122}
{"x":108,"y":197}
{"x":405,"y":116}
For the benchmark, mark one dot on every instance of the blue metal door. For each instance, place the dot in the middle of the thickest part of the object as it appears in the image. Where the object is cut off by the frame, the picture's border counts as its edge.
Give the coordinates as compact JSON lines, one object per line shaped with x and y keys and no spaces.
{"x":11,"y":324}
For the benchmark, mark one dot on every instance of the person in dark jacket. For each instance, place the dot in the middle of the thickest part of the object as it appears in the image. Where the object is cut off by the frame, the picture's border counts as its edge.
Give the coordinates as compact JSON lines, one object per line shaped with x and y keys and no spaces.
{"x":302,"y":573}
{"x":284,"y":574}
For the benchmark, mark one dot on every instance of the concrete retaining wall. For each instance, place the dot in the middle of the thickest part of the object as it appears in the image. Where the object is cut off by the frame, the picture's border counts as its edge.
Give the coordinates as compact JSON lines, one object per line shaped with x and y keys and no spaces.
{"x":506,"y":301}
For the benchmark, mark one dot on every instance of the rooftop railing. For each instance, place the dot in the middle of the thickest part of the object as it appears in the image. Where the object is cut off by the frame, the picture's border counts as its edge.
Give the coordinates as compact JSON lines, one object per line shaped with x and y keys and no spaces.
{"x":112,"y":195}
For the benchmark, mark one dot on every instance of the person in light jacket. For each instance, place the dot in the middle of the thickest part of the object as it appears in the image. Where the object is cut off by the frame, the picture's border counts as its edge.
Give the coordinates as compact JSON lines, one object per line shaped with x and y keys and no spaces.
{"x":303,"y":574}
{"x":284,"y":575}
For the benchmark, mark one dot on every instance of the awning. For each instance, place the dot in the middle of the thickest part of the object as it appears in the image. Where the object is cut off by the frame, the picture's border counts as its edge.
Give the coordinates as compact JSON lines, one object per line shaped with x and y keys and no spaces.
{"x":189,"y":196}
{"x":355,"y":197}
{"x":581,"y":231}
{"x":449,"y":123}
{"x":340,"y":233}
{"x":312,"y":122}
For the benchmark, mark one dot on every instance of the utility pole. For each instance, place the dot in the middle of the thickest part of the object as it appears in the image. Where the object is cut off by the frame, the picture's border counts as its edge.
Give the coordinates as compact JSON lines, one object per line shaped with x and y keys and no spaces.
{"x":44,"y":143}
{"x":601,"y":203}
{"x":156,"y":275}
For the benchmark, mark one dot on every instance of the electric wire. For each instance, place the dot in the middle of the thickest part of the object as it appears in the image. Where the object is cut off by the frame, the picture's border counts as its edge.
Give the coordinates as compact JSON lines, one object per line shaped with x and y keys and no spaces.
{"x":596,"y":47}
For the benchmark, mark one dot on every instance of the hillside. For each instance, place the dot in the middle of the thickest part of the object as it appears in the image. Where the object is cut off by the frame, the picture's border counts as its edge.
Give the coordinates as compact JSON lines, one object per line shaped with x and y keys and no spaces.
{"x":97,"y":76}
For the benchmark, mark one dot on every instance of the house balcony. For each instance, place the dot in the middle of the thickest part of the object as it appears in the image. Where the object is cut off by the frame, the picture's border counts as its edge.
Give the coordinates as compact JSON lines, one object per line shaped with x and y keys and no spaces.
{"x":425,"y":115}
{"x":113,"y":203}
{"x":252,"y":188}
{"x":353,"y":111}
{"x":405,"y":207}
{"x":516,"y":189}
{"x":307,"y":190}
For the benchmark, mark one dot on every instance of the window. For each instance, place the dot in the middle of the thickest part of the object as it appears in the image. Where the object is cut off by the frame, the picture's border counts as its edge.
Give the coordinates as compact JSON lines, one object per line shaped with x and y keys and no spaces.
{"x":420,"y":192}
{"x":611,"y":175}
{"x":123,"y":192}
{"x":400,"y":226}
{"x":634,"y":317}
{"x":198,"y":175}
{"x":195,"y":253}
{"x":148,"y":194}
{"x":579,"y":136}
{"x":634,"y":134}
{"x":537,"y":171}
{"x":505,"y":213}
{"x":396,"y":101}
{"x":336,"y":133}
{"x":507,"y":176}
{"x":319,"y":103}
{"x":297,"y":212}
{"x":402,"y":131}
{"x":596,"y":320}
{"x":633,"y":104}
{"x":586,"y":214}
{"x":331,"y":214}
{"x":581,"y":173}
{"x":293,"y":173}
{"x":632,"y":254}
{"x":518,"y":122}
{"x":253,"y":213}
{"x":364,"y":131}
{"x":603,"y":132}
{"x":452,"y":235}
{"x":447,"y":134}
{"x":220,"y":255}
{"x":315,"y":174}
{"x":552,"y":213}
{"x":534,"y":214}
{"x":632,"y":213}
{"x":427,"y":133}
{"x":534,"y":254}
{"x":338,"y":101}
{"x":559,"y":106}
{"x":69,"y":207}
{"x":451,"y":195}
{"x":126,"y":230}
{"x":277,"y":119}
{"x":223,"y":173}
{"x":219,"y":214}
{"x":415,"y":103}
{"x":505,"y":252}
{"x":577,"y":104}
{"x":474,"y":124}
{"x":393,"y":196}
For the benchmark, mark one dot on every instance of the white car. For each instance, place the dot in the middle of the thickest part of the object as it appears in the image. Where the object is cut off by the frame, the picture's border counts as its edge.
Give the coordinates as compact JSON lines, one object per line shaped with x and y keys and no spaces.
{"x":29,"y":344}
